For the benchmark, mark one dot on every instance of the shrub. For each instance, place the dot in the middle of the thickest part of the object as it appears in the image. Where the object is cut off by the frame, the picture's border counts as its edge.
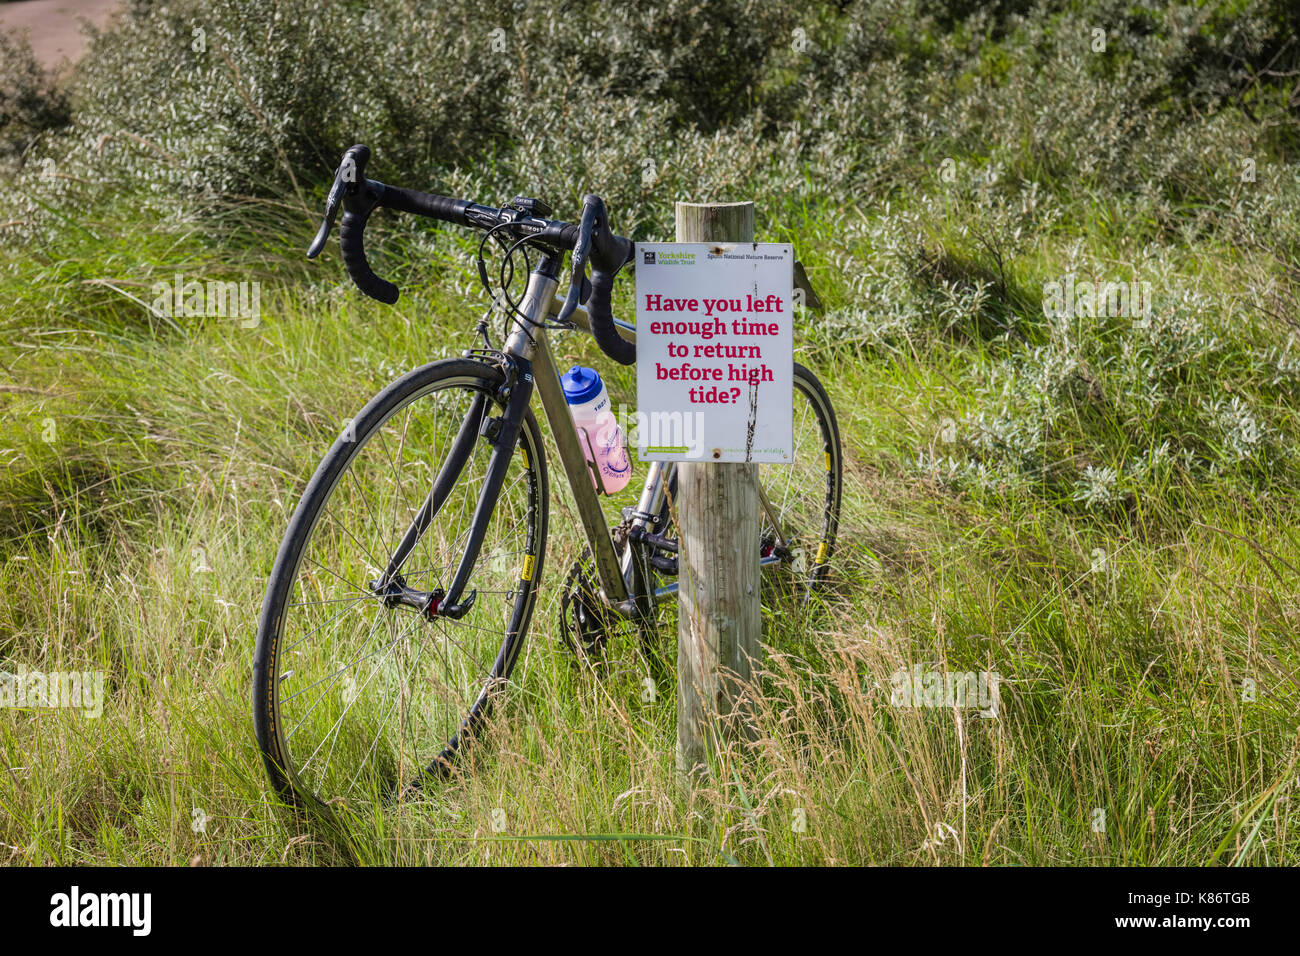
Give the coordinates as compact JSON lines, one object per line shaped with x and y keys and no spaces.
{"x":30,"y":101}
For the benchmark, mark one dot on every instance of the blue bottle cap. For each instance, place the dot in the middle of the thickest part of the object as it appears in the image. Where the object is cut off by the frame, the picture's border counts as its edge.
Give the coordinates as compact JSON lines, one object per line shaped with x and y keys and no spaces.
{"x":580,"y":384}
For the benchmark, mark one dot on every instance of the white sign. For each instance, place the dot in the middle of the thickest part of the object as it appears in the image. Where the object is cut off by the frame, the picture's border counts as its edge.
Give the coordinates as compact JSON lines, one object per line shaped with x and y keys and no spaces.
{"x":715,"y":351}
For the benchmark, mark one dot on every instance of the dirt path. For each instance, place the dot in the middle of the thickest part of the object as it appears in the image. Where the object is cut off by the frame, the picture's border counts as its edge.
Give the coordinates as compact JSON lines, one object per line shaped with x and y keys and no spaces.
{"x":53,"y":25}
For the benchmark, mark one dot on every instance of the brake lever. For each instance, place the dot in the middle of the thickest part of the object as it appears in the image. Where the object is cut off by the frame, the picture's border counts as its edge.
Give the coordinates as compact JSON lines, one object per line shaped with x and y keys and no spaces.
{"x":581,"y":252}
{"x":345,"y":180}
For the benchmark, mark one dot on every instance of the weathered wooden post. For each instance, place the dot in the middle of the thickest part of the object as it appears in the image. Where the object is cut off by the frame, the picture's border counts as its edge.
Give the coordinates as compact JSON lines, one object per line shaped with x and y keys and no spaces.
{"x":718,"y":562}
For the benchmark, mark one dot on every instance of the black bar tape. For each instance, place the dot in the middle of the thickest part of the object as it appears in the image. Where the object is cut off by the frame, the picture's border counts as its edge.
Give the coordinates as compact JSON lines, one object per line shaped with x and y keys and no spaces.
{"x":601,"y":314}
{"x":426,"y":204}
{"x":351,"y":231}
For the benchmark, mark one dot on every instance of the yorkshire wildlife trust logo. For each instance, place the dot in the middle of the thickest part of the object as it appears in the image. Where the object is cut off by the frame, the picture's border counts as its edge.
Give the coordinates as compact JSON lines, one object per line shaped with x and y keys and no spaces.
{"x":922,"y":687}
{"x":82,"y":690}
{"x":195,"y":299}
{"x":664,"y":257}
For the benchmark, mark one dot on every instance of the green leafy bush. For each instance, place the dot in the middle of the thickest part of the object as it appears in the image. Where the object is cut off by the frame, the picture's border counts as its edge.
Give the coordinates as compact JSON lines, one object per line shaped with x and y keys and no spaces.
{"x":818,"y":104}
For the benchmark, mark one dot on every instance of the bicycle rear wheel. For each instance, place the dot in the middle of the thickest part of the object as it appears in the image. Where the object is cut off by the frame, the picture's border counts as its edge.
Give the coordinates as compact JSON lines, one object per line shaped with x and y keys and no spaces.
{"x":800,"y":501}
{"x":356,"y":696}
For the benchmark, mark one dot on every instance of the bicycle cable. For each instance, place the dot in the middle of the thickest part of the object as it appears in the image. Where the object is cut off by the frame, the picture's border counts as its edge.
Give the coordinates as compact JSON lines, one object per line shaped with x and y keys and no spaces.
{"x":505,"y":278}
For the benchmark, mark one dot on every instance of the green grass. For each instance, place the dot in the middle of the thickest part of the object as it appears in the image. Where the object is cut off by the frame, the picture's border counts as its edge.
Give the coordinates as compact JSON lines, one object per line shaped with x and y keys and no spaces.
{"x":150,"y":468}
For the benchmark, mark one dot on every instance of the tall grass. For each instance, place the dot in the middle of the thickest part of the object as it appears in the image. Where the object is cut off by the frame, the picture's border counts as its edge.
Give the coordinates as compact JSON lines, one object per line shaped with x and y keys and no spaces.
{"x":138,"y":541}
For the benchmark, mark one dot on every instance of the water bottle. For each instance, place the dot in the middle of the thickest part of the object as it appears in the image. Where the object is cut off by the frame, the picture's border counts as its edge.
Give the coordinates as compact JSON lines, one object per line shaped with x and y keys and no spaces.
{"x":602,"y":442}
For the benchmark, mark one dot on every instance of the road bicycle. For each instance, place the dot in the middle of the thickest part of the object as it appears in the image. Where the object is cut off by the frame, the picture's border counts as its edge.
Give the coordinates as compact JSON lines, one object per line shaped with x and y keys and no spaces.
{"x":402,"y":592}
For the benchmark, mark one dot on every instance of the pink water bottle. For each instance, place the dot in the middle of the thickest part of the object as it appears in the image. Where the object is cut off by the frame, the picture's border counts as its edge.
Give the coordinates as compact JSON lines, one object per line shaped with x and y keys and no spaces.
{"x":598,"y":431}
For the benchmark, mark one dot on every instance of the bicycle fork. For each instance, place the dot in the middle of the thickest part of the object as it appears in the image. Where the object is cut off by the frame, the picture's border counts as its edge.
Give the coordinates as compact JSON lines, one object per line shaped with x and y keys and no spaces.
{"x":502,"y":433}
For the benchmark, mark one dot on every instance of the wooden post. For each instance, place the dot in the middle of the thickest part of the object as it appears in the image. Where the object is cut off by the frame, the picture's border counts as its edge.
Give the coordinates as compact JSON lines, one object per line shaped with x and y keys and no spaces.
{"x":718,"y":562}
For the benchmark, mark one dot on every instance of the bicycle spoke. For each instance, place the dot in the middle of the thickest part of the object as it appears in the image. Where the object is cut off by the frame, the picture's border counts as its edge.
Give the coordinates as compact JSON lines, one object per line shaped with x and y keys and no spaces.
{"x":333,"y":731}
{"x":354,"y":603}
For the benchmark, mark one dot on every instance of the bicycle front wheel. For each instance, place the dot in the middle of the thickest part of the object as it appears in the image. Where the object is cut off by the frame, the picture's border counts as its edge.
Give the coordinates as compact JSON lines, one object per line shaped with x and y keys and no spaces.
{"x":356,"y":696}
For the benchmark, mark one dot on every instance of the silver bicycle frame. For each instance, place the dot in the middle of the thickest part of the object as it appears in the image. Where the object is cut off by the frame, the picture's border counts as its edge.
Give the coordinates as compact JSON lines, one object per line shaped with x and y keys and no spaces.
{"x":527,"y":340}
{"x":661,"y":473}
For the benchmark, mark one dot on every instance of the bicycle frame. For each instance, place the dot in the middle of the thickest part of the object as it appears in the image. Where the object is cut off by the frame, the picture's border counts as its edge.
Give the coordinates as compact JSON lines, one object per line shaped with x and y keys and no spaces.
{"x":657,"y":481}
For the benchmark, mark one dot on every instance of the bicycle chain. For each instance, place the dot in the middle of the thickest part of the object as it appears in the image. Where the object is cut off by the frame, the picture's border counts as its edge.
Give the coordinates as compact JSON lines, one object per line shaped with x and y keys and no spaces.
{"x":579,"y":577}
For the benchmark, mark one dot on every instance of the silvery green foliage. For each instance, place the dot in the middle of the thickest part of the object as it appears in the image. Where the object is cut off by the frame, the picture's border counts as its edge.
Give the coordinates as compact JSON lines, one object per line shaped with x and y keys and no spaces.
{"x":823,"y":104}
{"x":190,"y":102}
{"x":1107,"y":407}
{"x":1097,"y":487}
{"x":1239,"y":430}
